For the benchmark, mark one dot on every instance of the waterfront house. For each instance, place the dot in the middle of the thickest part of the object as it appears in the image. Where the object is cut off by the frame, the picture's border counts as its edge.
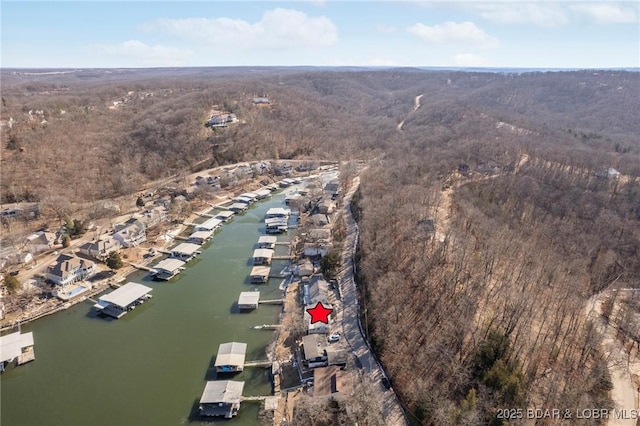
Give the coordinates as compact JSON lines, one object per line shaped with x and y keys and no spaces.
{"x":260,"y":274}
{"x":221,"y":398}
{"x":326,"y":207}
{"x":267,"y":242}
{"x":41,"y":241}
{"x":122,"y":300}
{"x":131,"y":233}
{"x":154,"y":216}
{"x":316,"y":249}
{"x":200,"y":237}
{"x":230,"y":358}
{"x":16,"y":347}
{"x":101,"y":248}
{"x":168,"y":268}
{"x":185,"y":251}
{"x":225,"y":215}
{"x":316,"y":290}
{"x":69,"y":269}
{"x":314,"y":348}
{"x":209,"y":225}
{"x":262,"y":256}
{"x":316,"y":327}
{"x":248,"y":300}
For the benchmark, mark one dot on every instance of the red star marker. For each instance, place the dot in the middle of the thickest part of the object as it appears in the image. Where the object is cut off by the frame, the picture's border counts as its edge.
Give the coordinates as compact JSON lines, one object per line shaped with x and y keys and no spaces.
{"x":319,"y":313}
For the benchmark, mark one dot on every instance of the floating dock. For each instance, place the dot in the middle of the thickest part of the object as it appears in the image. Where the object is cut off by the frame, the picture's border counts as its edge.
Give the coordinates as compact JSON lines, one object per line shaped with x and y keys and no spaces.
{"x":248,"y":300}
{"x":124,"y":299}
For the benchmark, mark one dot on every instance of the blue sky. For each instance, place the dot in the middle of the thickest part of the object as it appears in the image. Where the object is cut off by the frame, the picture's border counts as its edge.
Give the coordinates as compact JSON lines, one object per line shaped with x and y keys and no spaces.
{"x":541,"y":34}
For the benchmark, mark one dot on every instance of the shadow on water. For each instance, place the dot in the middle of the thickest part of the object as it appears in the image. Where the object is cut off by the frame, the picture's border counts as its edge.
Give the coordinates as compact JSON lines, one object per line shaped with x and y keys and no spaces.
{"x":235,"y":309}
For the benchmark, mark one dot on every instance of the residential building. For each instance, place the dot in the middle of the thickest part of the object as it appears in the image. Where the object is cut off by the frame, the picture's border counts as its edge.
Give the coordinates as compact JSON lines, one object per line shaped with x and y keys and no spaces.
{"x":68,"y":269}
{"x":131,"y":233}
{"x":101,"y":248}
{"x":41,"y":241}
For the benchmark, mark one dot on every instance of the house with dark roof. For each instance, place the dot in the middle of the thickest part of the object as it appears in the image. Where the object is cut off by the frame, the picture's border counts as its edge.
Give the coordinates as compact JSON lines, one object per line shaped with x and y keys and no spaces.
{"x":68,"y":269}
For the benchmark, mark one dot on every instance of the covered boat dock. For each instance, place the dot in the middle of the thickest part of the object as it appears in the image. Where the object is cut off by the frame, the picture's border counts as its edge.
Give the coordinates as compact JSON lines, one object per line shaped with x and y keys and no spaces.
{"x":248,"y":300}
{"x":221,"y":398}
{"x":260,"y":274}
{"x":230,"y":358}
{"x":16,"y":347}
{"x":122,"y":300}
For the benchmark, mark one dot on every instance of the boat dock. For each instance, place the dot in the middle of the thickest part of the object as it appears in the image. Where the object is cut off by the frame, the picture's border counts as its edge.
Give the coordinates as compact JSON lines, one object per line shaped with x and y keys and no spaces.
{"x":266,"y":327}
{"x":283,"y":243}
{"x":287,"y":257}
{"x":271,"y":302}
{"x":142,"y":267}
{"x":263,"y":363}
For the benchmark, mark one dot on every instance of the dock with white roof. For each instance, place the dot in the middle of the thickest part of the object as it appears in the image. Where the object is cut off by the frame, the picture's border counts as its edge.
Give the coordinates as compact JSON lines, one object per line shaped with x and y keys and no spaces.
{"x":124,"y":299}
{"x":16,"y":347}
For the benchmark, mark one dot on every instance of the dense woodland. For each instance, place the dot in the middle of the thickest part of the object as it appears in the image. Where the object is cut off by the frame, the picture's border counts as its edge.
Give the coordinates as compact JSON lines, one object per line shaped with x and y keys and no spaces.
{"x":475,"y":282}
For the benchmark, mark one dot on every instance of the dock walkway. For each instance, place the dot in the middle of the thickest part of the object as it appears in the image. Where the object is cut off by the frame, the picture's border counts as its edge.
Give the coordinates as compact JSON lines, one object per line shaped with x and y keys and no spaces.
{"x":263,"y":363}
{"x":271,"y":301}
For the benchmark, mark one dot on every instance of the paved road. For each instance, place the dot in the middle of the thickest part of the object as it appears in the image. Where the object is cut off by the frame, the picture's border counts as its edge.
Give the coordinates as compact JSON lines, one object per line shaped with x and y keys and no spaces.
{"x":391,"y":410}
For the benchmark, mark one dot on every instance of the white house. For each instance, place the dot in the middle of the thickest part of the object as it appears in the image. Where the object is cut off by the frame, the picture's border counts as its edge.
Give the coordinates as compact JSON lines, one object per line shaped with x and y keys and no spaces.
{"x":131,"y":233}
{"x":41,"y":241}
{"x":101,"y":248}
{"x":68,"y":269}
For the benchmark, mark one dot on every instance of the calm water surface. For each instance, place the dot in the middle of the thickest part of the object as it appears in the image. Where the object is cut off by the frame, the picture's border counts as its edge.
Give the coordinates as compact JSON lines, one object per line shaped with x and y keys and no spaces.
{"x":150,"y":367}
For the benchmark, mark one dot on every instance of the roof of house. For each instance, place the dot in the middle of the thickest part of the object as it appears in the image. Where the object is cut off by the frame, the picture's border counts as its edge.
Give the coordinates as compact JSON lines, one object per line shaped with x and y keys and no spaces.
{"x":103,"y":244}
{"x":169,"y":264}
{"x":41,"y":237}
{"x":186,"y":248}
{"x":336,"y":356}
{"x":231,"y":353}
{"x":126,"y":294}
{"x":260,"y":271}
{"x":313,"y":345}
{"x":316,"y":291}
{"x":66,"y":264}
{"x":266,"y":253}
{"x":249,"y":298}
{"x":11,"y":345}
{"x":225,"y":391}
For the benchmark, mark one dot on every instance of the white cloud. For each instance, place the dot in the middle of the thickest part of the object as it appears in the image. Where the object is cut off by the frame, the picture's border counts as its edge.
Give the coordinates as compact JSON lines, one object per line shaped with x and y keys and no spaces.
{"x":540,"y":13}
{"x":137,"y":53}
{"x":466,"y":32}
{"x":468,"y":60}
{"x":277,"y":29}
{"x":608,"y":13}
{"x":385,"y":29}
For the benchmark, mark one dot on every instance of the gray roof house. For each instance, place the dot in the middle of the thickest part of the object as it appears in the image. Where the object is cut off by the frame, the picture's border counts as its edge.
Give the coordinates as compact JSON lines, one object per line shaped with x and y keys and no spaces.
{"x":68,"y":269}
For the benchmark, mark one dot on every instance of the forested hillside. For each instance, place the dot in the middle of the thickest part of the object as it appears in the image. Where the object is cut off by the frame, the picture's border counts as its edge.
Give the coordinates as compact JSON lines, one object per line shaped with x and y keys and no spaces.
{"x":486,"y":221}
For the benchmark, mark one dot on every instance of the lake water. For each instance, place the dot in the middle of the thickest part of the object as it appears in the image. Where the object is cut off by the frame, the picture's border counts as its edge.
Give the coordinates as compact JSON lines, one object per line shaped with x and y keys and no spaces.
{"x":150,"y":366}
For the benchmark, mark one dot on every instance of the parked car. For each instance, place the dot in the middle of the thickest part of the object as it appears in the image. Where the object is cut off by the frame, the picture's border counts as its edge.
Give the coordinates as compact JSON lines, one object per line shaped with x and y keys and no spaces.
{"x":334,"y":337}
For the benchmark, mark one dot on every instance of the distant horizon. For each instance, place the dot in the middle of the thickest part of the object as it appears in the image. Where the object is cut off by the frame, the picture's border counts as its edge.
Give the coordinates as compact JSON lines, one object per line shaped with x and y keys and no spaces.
{"x":364,"y":67}
{"x":542,"y":34}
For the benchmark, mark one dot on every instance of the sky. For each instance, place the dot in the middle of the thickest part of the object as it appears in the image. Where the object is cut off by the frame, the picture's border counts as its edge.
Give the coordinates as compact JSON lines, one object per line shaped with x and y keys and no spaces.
{"x":133,"y":34}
